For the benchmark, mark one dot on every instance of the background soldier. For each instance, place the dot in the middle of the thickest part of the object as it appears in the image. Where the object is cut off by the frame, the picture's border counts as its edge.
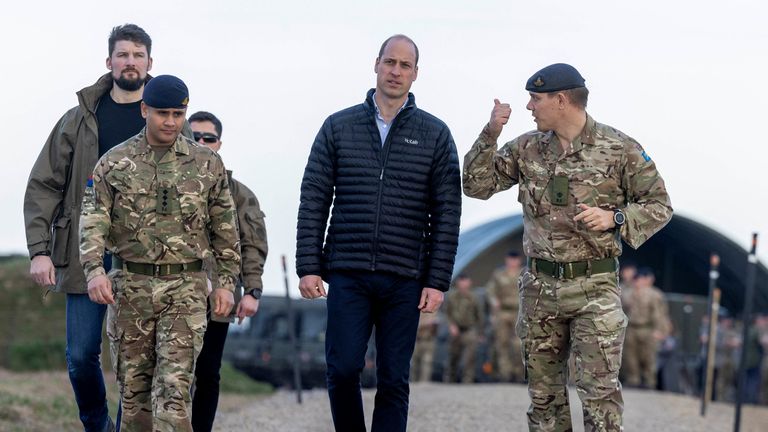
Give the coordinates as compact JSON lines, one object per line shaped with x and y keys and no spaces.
{"x":207,"y":129}
{"x":107,"y":114}
{"x":504,"y":298}
{"x":463,"y":312}
{"x":649,"y":324}
{"x":584,"y":186}
{"x":161,"y":204}
{"x":726,"y":357}
{"x":424,"y":351}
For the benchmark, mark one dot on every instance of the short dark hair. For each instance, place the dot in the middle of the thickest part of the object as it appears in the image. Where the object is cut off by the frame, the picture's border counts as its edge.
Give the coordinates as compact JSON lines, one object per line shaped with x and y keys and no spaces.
{"x":578,"y":96}
{"x":201,"y":116}
{"x":129,"y":32}
{"x":399,"y":36}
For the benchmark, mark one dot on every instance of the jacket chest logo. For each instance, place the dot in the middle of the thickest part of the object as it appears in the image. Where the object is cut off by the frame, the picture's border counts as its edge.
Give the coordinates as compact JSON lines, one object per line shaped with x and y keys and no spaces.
{"x":411,"y":141}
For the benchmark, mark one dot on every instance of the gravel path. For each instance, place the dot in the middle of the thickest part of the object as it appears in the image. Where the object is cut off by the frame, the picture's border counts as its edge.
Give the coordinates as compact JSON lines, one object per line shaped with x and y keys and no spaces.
{"x":486,"y":407}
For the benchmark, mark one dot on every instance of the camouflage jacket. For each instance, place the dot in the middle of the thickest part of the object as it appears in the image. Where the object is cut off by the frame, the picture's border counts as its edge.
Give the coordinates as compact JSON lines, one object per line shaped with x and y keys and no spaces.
{"x":603,"y":168}
{"x":56,"y":184}
{"x":502,"y":289}
{"x":647,"y":308}
{"x":174,"y":211}
{"x":463,"y":310}
{"x":253,"y":243}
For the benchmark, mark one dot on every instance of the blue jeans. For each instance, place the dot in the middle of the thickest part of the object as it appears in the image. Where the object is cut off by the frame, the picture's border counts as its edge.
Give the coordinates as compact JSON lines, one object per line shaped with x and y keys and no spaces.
{"x":358,"y":301}
{"x":84,"y":327}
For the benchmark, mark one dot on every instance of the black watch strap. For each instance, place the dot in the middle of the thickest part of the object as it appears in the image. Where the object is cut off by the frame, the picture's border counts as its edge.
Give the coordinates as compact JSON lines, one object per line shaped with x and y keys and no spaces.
{"x":44,"y":253}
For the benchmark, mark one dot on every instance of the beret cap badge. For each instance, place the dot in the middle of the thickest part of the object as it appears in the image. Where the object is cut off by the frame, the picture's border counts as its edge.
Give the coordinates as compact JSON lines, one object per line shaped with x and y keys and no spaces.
{"x":539,"y":82}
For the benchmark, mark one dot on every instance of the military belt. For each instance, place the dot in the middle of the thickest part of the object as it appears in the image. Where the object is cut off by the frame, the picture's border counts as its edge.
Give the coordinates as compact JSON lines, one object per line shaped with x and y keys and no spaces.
{"x":572,"y":270}
{"x":156,"y":269}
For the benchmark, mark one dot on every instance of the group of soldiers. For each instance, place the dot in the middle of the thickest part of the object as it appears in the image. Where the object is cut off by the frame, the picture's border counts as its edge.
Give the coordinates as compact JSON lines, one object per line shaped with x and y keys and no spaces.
{"x":161,"y":233}
{"x":728,"y":348}
{"x":465,"y":315}
{"x":130,"y":212}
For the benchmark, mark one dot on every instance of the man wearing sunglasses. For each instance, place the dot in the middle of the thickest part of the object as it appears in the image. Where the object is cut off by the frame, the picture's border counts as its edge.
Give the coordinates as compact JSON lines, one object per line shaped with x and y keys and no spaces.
{"x":207,"y":130}
{"x":108,"y":113}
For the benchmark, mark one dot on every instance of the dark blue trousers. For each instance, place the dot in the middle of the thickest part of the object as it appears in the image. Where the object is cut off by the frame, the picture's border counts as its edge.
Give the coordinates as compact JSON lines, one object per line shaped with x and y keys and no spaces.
{"x":84,"y":326}
{"x":358,"y":301}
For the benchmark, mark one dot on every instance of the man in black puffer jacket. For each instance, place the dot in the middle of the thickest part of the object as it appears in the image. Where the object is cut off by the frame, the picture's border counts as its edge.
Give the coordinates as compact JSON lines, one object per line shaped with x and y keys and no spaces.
{"x":391,"y":172}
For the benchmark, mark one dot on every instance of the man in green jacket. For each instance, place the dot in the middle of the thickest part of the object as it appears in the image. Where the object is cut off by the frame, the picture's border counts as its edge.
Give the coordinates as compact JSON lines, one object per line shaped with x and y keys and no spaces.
{"x":107,"y":114}
{"x":207,"y":129}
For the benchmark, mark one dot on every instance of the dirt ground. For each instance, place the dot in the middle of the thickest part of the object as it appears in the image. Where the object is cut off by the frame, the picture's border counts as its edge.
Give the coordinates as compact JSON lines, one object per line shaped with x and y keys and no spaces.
{"x":43,"y":401}
{"x":492,"y":407}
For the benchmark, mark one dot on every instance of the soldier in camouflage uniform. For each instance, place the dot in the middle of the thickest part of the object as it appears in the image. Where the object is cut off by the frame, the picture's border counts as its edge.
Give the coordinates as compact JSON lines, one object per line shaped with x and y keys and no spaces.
{"x":726,"y":358}
{"x":502,"y":291}
{"x":465,"y":319}
{"x":584,"y":186}
{"x":424,"y":351}
{"x":649,"y":324}
{"x":207,"y":129}
{"x":161,"y":204}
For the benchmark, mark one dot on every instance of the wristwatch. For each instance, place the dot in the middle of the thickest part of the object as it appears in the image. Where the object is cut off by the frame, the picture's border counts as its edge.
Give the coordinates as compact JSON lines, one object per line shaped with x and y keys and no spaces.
{"x":252,"y":293}
{"x":618,"y":217}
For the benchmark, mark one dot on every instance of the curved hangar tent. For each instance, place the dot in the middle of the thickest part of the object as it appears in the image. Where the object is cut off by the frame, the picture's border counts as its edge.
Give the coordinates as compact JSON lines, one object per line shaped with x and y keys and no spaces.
{"x":679,"y":254}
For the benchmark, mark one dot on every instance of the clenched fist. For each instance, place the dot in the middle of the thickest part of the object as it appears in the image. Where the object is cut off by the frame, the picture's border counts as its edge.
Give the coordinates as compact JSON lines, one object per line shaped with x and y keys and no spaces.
{"x":499,"y":117}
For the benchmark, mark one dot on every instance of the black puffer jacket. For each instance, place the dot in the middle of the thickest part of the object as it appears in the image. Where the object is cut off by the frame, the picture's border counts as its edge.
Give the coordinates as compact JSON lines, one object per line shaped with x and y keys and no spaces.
{"x":396,"y":209}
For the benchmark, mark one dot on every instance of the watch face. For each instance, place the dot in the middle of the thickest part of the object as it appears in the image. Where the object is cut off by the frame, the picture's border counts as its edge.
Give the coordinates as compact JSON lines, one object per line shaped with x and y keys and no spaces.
{"x":619,"y":218}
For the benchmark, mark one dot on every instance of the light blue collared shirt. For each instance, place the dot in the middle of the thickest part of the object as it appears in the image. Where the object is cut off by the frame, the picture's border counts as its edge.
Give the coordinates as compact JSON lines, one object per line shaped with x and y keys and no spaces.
{"x":384,"y":126}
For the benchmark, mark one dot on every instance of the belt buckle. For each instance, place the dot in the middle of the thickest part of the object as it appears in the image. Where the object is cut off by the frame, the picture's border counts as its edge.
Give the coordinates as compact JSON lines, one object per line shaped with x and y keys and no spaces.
{"x":560,"y":270}
{"x":158,"y":270}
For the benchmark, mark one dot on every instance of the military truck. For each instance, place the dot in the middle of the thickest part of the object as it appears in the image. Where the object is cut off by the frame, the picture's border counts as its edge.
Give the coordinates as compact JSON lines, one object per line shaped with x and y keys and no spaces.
{"x":262,"y":346}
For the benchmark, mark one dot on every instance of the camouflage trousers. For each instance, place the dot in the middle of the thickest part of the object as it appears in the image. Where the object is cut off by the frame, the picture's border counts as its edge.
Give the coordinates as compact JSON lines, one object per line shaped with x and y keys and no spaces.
{"x":423,"y":358}
{"x":508,"y":347}
{"x":582,"y":316}
{"x":156,"y":329}
{"x":639,"y":359}
{"x":462,"y":352}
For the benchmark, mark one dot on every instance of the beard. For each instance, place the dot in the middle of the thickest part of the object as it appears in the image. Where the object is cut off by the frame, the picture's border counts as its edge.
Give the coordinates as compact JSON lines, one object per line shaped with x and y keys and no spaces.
{"x":129,"y":84}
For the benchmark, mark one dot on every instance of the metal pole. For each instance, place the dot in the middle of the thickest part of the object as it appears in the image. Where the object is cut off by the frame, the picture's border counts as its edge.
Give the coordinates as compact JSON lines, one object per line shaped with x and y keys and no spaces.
{"x":747,"y":321}
{"x":292,"y":329}
{"x":709,"y":365}
{"x":713,"y":305}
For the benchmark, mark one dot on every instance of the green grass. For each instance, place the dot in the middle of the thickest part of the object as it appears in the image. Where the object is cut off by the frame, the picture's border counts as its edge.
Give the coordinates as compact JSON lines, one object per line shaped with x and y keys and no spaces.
{"x":234,"y":381}
{"x":36,"y":395}
{"x":32,"y":323}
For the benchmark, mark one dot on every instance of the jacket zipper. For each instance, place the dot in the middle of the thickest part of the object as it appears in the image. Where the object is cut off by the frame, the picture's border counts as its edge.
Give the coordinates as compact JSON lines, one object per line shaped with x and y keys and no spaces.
{"x":384,"y":159}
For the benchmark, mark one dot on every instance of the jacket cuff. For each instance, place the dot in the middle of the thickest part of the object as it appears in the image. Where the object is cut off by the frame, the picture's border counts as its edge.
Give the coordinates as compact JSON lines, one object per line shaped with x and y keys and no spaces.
{"x":485,"y":138}
{"x":37,"y":248}
{"x":252,"y":282}
{"x":227,"y":282}
{"x":94,"y":272}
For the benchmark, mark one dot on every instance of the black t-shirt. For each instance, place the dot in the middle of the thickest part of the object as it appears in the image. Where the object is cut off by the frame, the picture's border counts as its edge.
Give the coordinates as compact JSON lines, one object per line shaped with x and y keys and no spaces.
{"x":117,"y":122}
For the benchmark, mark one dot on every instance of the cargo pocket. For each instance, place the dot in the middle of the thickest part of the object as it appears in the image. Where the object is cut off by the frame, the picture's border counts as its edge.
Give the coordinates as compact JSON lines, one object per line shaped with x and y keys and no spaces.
{"x":529,"y":294}
{"x":197,"y":324}
{"x":610,"y":336}
{"x":114,"y":335}
{"x":60,"y":242}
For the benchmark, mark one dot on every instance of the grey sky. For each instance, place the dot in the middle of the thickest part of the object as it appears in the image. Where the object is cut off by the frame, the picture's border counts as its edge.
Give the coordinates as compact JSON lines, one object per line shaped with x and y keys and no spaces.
{"x":684,"y":78}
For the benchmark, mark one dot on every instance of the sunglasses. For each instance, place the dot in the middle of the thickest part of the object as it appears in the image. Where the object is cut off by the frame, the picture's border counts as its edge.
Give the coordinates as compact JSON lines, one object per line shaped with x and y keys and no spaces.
{"x":208,"y":138}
